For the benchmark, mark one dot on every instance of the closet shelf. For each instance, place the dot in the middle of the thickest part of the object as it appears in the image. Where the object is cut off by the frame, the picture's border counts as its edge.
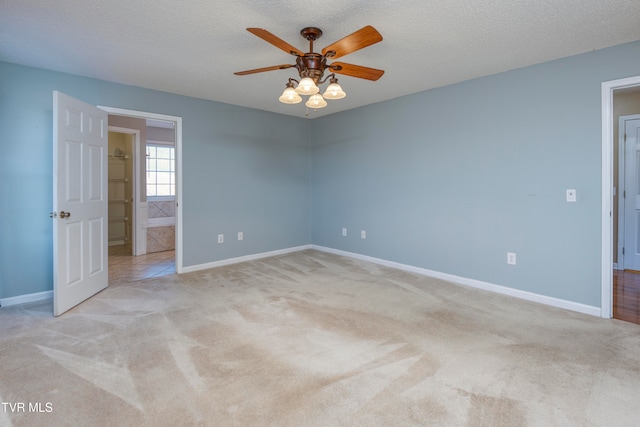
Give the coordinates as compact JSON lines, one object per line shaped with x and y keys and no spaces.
{"x":119,"y":196}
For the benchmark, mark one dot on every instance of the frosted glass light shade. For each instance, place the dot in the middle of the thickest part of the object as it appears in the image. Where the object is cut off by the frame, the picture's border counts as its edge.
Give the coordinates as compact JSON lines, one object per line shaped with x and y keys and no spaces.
{"x":334,"y":91}
{"x":316,"y":101}
{"x":307,"y":87}
{"x":289,"y":96}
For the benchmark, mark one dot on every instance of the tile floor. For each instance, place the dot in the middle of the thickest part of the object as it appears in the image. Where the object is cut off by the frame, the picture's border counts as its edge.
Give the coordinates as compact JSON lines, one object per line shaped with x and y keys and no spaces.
{"x":123,"y":267}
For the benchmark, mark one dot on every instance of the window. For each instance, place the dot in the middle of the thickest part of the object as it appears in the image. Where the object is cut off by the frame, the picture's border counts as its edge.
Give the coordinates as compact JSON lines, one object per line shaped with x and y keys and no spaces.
{"x":161,"y":177}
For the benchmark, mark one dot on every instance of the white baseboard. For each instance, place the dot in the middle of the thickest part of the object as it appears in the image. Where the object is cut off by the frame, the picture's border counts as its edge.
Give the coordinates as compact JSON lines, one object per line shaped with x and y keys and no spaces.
{"x":23,"y":299}
{"x":245,"y":258}
{"x":529,"y":296}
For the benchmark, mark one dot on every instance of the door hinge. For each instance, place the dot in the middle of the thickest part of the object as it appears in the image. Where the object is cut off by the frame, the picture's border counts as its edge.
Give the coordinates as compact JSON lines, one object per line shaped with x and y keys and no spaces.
{"x":625,"y":137}
{"x":623,"y":250}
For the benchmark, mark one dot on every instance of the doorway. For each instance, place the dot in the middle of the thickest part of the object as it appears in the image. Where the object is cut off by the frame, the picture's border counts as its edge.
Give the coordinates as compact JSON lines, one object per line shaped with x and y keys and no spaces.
{"x":146,"y":263}
{"x":611,"y":217}
{"x":131,"y":256}
{"x":626,"y":274}
{"x":626,"y":189}
{"x":152,"y":252}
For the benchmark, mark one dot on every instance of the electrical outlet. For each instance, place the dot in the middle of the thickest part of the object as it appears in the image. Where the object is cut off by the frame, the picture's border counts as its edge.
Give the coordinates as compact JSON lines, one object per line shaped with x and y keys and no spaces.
{"x":344,"y":232}
{"x":511,"y":258}
{"x":240,"y":235}
{"x":571,"y":195}
{"x":363,"y":234}
{"x":220,"y":238}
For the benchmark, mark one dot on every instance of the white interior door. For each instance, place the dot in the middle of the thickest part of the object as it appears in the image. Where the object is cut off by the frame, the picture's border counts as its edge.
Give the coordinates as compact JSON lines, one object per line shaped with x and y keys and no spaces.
{"x":632,"y":195}
{"x":80,"y":257}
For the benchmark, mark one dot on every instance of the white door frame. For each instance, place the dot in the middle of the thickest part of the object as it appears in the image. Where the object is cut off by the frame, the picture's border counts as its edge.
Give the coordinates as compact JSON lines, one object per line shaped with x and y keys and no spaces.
{"x":178,"y":128}
{"x":138,"y":240}
{"x":606,"y":301}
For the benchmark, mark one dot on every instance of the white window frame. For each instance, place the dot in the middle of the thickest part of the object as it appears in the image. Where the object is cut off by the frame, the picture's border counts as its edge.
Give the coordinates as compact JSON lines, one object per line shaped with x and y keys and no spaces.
{"x":166,"y":144}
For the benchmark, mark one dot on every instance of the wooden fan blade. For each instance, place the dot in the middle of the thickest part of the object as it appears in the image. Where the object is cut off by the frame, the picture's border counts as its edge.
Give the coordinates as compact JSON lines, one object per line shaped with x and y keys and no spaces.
{"x":276,"y":41}
{"x":362,"y":38}
{"x":356,"y":71}
{"x":261,"y":70}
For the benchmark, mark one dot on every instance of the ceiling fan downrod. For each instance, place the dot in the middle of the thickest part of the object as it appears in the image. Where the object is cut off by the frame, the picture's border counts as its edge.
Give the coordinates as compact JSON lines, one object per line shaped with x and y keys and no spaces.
{"x":312,"y":34}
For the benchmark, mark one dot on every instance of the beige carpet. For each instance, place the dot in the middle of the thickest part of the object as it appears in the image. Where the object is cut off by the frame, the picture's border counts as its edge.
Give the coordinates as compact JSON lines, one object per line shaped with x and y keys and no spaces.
{"x":313,"y":339}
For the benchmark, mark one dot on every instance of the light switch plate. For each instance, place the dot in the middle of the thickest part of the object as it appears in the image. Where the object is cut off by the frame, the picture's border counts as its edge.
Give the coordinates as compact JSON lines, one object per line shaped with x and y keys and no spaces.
{"x":571,"y":195}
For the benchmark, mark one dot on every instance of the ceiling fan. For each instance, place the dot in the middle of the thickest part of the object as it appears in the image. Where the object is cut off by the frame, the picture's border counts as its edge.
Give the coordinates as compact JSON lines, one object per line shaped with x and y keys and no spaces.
{"x":311,"y":66}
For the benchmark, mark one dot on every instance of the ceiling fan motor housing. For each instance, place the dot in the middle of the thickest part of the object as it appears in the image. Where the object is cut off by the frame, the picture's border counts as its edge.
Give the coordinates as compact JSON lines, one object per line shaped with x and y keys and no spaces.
{"x":311,"y":65}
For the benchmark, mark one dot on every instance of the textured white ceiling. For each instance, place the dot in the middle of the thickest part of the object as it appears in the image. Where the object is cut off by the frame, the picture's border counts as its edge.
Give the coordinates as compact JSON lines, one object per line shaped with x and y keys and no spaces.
{"x":193,"y":47}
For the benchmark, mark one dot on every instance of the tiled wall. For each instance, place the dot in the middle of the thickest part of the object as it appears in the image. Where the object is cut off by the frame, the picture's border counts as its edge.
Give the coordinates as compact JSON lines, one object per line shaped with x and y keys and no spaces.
{"x":161,"y":238}
{"x":162,"y":209}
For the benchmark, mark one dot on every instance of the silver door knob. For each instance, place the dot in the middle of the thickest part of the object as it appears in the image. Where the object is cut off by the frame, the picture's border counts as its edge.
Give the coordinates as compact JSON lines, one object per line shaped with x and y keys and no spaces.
{"x":64,"y":214}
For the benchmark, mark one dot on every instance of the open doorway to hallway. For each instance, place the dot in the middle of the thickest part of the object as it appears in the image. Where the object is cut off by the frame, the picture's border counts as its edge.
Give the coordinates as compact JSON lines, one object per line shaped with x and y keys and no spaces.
{"x":626,"y":194}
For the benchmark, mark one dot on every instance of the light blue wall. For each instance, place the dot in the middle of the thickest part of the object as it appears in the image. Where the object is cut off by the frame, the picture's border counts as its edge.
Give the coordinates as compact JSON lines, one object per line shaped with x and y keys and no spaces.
{"x":243,"y":170}
{"x":452,"y":179}
{"x":449,"y":179}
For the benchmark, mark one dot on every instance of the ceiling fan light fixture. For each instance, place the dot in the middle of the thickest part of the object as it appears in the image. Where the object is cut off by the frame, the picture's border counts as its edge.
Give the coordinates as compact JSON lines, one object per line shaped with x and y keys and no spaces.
{"x":307,"y":87}
{"x":290,"y":96}
{"x":334,"y":90}
{"x":316,"y":101}
{"x":311,"y":66}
